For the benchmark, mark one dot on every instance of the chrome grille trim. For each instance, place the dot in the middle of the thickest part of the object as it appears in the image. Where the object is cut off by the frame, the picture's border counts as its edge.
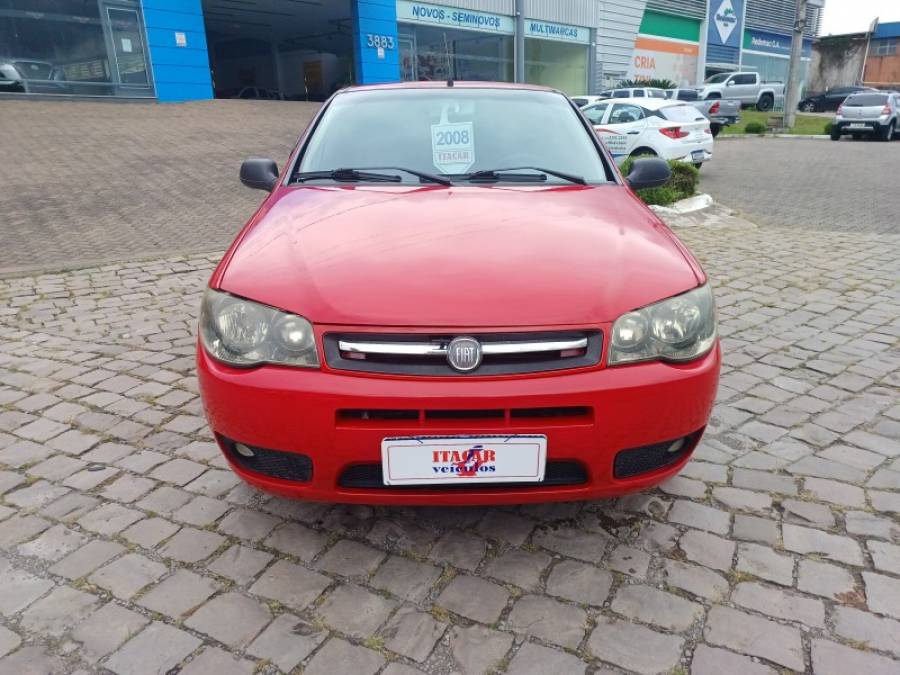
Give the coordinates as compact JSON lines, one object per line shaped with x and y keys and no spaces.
{"x":440,"y":348}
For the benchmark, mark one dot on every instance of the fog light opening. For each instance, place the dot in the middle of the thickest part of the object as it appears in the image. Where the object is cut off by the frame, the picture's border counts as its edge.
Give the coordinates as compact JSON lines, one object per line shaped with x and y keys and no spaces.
{"x":676,"y":446}
{"x":244,"y":450}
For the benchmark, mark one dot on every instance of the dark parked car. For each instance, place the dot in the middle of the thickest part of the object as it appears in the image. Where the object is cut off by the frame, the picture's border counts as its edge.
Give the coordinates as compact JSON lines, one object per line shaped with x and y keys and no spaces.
{"x":830,"y":99}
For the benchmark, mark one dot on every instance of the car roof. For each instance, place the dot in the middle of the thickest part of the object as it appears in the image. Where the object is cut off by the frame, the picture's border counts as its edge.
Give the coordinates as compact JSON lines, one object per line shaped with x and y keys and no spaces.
{"x":443,"y":84}
{"x":648,"y":103}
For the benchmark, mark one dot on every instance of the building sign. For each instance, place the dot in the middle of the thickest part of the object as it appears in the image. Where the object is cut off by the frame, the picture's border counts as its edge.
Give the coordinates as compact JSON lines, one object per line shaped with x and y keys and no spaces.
{"x":437,"y":15}
{"x":725,"y":22}
{"x":557,"y":31}
{"x":659,"y":58}
{"x":773,"y":43}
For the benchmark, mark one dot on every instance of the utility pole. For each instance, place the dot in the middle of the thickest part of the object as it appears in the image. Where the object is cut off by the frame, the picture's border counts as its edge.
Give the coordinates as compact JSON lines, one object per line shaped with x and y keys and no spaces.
{"x":519,"y":51}
{"x":792,"y":87}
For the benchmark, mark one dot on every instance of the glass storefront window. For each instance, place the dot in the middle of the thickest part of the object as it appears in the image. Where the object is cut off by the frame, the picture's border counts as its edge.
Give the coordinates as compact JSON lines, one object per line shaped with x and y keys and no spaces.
{"x":73,"y":47}
{"x":432,"y":53}
{"x":557,"y":64}
{"x":773,"y":68}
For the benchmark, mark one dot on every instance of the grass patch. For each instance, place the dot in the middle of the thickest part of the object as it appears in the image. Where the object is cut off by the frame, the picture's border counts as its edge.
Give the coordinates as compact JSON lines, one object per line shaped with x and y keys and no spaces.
{"x":804,"y":125}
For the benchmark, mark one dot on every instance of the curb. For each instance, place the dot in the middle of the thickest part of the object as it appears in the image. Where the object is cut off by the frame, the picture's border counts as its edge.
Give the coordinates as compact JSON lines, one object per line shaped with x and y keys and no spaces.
{"x":806,"y":137}
{"x":683,"y":206}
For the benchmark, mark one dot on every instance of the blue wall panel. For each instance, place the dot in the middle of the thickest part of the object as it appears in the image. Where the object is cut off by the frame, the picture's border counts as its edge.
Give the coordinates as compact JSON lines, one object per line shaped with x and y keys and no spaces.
{"x":180,"y":73}
{"x":378,"y":19}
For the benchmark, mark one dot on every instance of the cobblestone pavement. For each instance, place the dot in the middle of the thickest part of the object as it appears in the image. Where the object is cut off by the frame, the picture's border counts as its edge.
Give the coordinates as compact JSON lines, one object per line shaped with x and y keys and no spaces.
{"x":849,"y":185}
{"x":85,"y":182}
{"x":127,"y":546}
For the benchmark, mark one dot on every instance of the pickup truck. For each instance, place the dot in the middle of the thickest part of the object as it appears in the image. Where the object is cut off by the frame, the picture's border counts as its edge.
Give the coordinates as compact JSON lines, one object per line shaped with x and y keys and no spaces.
{"x":721,"y":112}
{"x":748,"y":87}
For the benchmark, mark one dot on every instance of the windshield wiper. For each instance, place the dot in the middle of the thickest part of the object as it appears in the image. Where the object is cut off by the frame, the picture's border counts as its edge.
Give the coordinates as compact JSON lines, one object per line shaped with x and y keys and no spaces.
{"x":367,"y":174}
{"x":541,"y":175}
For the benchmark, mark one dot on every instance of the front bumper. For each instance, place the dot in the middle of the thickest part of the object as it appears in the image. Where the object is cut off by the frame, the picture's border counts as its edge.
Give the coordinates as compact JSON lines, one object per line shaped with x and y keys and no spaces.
{"x":297,"y":410}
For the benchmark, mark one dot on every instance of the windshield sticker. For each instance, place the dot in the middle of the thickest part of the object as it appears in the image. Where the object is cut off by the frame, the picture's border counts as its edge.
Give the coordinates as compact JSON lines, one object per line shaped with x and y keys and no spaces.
{"x":453,"y":146}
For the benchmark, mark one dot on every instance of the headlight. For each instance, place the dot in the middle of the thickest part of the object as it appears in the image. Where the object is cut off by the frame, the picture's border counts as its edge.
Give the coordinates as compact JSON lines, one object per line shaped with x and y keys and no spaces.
{"x":678,"y":329}
{"x":244,"y":333}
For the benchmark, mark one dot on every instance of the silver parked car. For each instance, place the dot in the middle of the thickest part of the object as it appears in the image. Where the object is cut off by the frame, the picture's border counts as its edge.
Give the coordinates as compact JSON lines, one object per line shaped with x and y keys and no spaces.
{"x":875,"y":113}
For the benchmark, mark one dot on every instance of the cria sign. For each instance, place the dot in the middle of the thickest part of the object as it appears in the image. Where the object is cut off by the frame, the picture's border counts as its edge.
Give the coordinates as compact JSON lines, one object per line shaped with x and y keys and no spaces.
{"x":726,"y":22}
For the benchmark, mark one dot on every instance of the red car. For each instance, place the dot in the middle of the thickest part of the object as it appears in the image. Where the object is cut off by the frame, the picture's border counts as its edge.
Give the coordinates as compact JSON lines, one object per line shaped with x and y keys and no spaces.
{"x":451,"y":296}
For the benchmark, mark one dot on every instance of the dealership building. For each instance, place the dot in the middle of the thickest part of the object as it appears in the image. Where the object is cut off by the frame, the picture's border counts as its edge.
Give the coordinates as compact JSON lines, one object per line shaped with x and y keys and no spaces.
{"x":178,"y":50}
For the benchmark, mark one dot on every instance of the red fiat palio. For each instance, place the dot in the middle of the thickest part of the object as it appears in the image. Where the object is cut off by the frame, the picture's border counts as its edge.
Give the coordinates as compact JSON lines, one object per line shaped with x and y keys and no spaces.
{"x":451,"y":296}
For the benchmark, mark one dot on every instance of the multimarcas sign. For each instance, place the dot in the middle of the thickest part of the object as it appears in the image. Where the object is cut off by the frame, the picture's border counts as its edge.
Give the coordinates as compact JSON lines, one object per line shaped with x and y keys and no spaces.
{"x":557,"y":31}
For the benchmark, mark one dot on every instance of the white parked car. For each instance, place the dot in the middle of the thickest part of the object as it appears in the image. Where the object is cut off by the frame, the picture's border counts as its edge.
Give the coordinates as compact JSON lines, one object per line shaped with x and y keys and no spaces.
{"x":668,"y":129}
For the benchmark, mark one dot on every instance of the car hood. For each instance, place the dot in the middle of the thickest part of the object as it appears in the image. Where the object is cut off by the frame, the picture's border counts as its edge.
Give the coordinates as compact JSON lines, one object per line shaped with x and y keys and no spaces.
{"x":461,"y":256}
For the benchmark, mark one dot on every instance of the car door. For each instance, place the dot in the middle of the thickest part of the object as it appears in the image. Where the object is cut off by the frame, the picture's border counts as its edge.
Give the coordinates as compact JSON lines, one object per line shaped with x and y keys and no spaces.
{"x":622,"y":128}
{"x":834,"y":97}
{"x":743,"y":87}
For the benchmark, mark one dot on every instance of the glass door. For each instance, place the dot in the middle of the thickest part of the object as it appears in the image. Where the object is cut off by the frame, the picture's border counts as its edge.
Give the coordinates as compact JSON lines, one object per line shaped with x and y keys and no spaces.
{"x":129,"y":66}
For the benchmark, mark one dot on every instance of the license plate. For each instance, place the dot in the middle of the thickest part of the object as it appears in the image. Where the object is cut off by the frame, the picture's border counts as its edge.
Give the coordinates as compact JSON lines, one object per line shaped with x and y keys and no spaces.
{"x":697,"y":155}
{"x":857,"y":126}
{"x":445,"y":460}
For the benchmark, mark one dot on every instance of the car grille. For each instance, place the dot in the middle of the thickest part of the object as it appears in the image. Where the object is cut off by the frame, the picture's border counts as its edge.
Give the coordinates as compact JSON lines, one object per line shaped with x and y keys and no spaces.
{"x":557,"y":472}
{"x":503,"y":353}
{"x":475,"y":417}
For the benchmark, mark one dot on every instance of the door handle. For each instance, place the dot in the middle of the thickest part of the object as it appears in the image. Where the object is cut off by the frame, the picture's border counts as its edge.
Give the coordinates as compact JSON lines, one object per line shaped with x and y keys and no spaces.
{"x":633,"y":133}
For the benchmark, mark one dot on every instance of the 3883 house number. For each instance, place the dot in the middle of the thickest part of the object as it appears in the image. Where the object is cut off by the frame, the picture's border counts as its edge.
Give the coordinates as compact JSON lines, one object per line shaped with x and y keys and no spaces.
{"x":379,"y":41}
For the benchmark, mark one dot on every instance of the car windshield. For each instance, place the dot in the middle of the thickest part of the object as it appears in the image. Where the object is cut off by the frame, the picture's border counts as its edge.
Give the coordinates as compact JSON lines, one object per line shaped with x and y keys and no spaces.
{"x":859,"y":100}
{"x":681,"y":113}
{"x":718,"y":79}
{"x":454,"y":132}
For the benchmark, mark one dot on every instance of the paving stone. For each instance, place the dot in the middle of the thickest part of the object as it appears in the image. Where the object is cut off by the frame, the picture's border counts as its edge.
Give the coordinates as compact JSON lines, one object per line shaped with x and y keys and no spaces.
{"x":405,"y":578}
{"x":846,"y":454}
{"x":89,"y":478}
{"x":53,"y":544}
{"x":474,"y":598}
{"x":287,"y":641}
{"x":830,"y":658}
{"x":634,"y":647}
{"x":696,"y":580}
{"x":150,"y":531}
{"x":20,"y":528}
{"x":201,"y":511}
{"x":708,"y":549}
{"x":33,"y":660}
{"x":10,"y":480}
{"x":297,"y":540}
{"x":127,"y":575}
{"x":178,"y":594}
{"x":459,"y":549}
{"x":882,"y":594}
{"x":764,"y":562}
{"x":681,"y":486}
{"x":888,"y":502}
{"x":57,"y":613}
{"x":706,"y":472}
{"x":651,"y":605}
{"x":23,"y":453}
{"x":825,"y":579}
{"x":886,"y":557}
{"x":156,"y":649}
{"x":215,"y":661}
{"x":548,"y":620}
{"x":109,"y":519}
{"x":835,"y":492}
{"x":231,"y":618}
{"x":748,"y":634}
{"x":141,"y":461}
{"x":290,"y":584}
{"x":413,"y":633}
{"x":834,"y":547}
{"x":743,"y":500}
{"x":36,"y":495}
{"x":763,"y":480}
{"x":586,"y":546}
{"x":826,"y":468}
{"x":863,"y":628}
{"x":519,"y":567}
{"x":630,"y":561}
{"x":341,"y":656}
{"x":190,"y":545}
{"x":19,"y":588}
{"x":8,"y":641}
{"x":476,"y":649}
{"x":754,"y":528}
{"x":355,"y":611}
{"x":86,"y":559}
{"x":106,"y":629}
{"x":248,"y":525}
{"x":534,"y":659}
{"x":779,"y":604}
{"x":241,"y":564}
{"x":868,"y":524}
{"x":700,"y":516}
{"x":713,"y":661}
{"x":350,"y":559}
{"x":807,"y":513}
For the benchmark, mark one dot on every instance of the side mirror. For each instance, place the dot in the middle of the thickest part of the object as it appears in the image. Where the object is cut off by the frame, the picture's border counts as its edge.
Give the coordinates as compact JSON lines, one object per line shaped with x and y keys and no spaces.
{"x":259,"y":173}
{"x":730,"y":83}
{"x":648,"y":172}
